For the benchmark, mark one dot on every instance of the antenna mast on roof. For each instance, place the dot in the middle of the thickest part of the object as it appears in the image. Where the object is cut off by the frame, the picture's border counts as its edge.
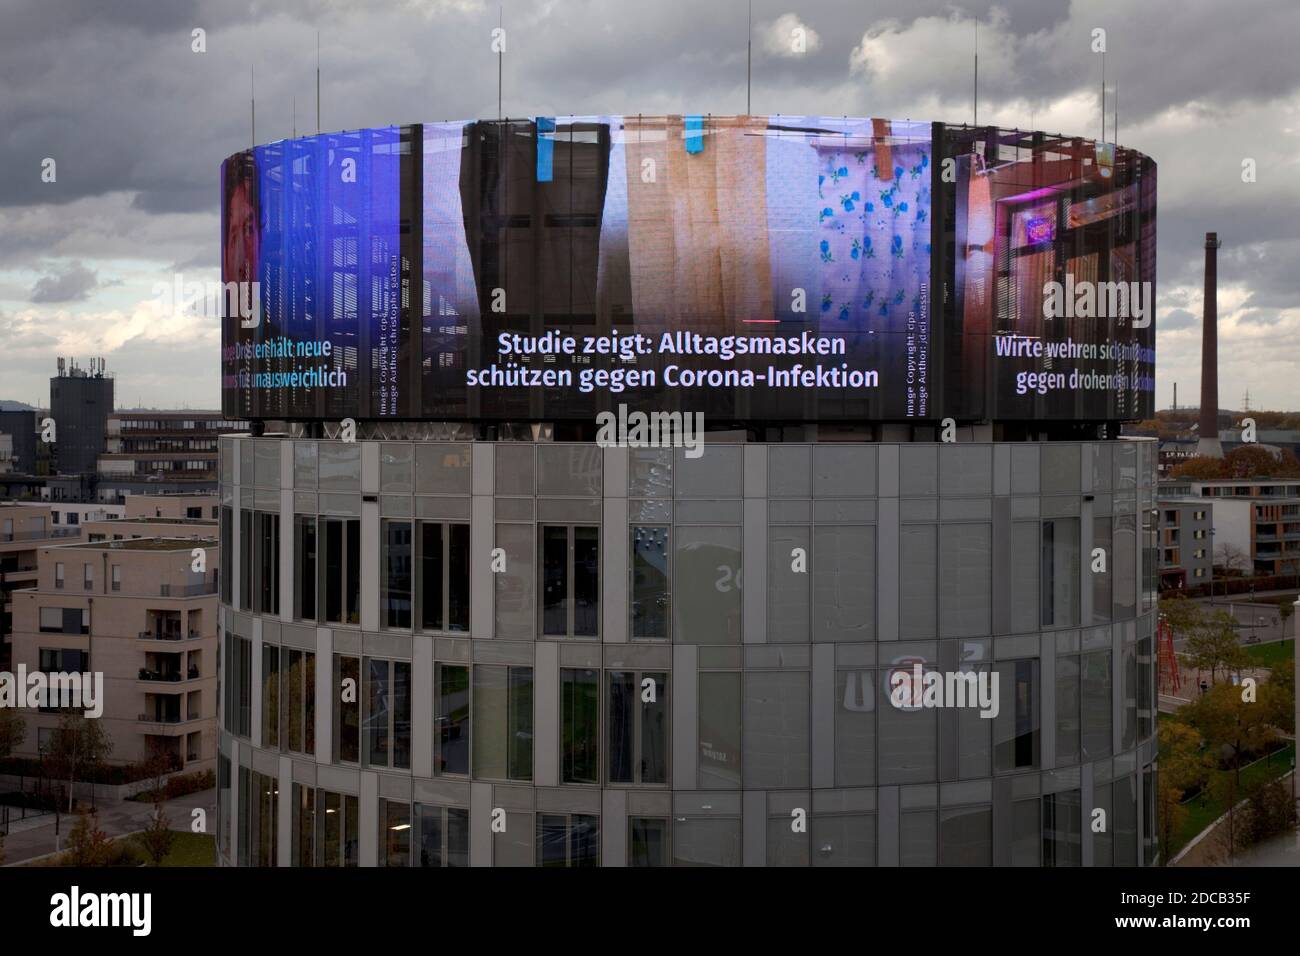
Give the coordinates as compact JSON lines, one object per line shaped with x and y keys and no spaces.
{"x":252,"y":104}
{"x":501,"y":55}
{"x":317,"y":82}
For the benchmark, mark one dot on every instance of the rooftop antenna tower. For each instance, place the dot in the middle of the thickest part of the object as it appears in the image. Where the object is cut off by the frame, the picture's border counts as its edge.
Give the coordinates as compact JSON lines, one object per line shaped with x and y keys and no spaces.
{"x":252,"y":105}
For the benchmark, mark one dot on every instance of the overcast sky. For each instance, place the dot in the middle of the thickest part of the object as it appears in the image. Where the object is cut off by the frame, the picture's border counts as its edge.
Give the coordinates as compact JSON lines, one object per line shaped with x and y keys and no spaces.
{"x":138,"y":124}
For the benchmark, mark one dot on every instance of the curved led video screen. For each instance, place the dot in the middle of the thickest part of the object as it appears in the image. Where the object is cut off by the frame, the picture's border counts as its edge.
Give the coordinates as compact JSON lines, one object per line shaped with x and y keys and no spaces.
{"x":752,"y":268}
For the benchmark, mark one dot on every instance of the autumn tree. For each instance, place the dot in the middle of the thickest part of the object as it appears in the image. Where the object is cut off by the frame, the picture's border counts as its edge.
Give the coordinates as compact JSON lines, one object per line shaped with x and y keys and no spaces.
{"x":1212,"y":645}
{"x":1184,"y":766}
{"x":1226,"y":721}
{"x":1199,"y":468}
{"x":88,"y":845}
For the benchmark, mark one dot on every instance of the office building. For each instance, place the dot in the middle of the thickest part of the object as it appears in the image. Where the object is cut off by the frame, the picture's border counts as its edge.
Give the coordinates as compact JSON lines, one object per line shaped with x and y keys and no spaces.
{"x":80,"y":402}
{"x":459,"y":627}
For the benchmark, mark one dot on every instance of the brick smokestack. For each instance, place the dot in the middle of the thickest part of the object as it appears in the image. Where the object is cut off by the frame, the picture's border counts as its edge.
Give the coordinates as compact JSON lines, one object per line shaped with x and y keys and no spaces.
{"x":1208,"y":443}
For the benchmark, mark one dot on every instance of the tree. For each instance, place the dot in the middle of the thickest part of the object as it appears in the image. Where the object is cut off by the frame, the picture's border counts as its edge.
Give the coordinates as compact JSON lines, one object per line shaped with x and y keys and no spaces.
{"x":1231,"y":558}
{"x":157,"y":839}
{"x":1258,"y":461}
{"x":82,"y":744}
{"x":1212,"y":645}
{"x":1269,"y":811}
{"x":1226,"y":721}
{"x":1199,"y":468}
{"x":12,"y":730}
{"x":1184,"y":765}
{"x":88,"y":845}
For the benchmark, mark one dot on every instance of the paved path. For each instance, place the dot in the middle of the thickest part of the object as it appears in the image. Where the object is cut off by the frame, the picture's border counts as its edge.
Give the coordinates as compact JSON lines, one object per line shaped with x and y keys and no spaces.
{"x":115,"y":819}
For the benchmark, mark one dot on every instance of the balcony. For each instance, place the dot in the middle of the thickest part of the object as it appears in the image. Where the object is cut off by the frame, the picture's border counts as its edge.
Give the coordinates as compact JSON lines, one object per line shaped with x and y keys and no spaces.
{"x":161,"y":635}
{"x":40,"y":535}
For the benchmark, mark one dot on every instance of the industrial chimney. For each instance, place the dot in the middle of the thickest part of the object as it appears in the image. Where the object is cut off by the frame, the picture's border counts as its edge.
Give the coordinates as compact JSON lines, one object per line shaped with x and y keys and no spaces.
{"x":1208,"y":444}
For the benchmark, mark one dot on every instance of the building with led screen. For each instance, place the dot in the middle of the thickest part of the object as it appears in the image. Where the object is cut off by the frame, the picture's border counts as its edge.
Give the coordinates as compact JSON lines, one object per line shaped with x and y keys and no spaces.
{"x":462,"y":627}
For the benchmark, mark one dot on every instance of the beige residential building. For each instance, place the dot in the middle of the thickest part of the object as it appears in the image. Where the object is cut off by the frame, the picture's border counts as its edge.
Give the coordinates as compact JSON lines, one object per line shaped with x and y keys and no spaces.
{"x":136,"y":611}
{"x":24,"y":528}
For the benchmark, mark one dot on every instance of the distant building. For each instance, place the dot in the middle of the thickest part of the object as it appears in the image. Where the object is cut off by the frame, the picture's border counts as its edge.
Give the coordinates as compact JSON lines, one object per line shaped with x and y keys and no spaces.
{"x":1257,"y":519}
{"x":149,"y":451}
{"x":1186,"y":541}
{"x":80,"y":403}
{"x":22,"y":427}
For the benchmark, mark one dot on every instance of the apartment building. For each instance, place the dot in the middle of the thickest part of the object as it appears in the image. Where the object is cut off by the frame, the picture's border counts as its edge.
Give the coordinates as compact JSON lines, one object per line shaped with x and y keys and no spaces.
{"x":1256,"y":521}
{"x":1185,"y":543}
{"x":24,"y":529}
{"x":137,"y":611}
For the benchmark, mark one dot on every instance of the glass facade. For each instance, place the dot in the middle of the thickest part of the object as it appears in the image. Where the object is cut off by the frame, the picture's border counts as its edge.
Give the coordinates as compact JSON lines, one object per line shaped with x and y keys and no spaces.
{"x":485,"y":641}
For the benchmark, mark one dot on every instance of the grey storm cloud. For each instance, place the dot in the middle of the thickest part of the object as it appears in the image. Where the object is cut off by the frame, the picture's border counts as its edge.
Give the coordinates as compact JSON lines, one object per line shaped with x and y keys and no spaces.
{"x":73,"y":283}
{"x":138,"y":123}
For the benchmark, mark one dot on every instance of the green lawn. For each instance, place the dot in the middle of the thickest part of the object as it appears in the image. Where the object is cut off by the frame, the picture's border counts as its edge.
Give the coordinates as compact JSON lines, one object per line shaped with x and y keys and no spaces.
{"x":188,"y":849}
{"x":1202,"y":810}
{"x":1272,"y":653}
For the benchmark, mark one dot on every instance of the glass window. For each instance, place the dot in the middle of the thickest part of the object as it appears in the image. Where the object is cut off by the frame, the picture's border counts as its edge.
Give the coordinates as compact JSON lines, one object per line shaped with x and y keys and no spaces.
{"x":785,"y":847}
{"x":227,"y":557}
{"x":1101,"y":580}
{"x":919,"y":567}
{"x":515,"y":586}
{"x":776,"y":731}
{"x":268,"y":562}
{"x":918,"y":838}
{"x":347,"y":713}
{"x":1125,"y":565}
{"x":1026,"y":551}
{"x":638,"y":726}
{"x":1067,"y":710}
{"x":1060,"y":572}
{"x":565,"y":839}
{"x":305,"y":568}
{"x":395,"y":833}
{"x":337,"y":819}
{"x":706,"y":600}
{"x":647,"y":841}
{"x":1096,"y":701}
{"x":515,"y":846}
{"x":1103,"y":841}
{"x":303,"y":847}
{"x":341,"y":570}
{"x":908,"y":745}
{"x":855,"y":728}
{"x":442,"y":469}
{"x":719,"y":711}
{"x":444,"y":576}
{"x":974,"y":731}
{"x":396,"y":561}
{"x":1015,"y":728}
{"x":395,"y":468}
{"x":1026,"y":833}
{"x":966,"y":836}
{"x":706,"y":841}
{"x":503,"y":722}
{"x":298,"y":702}
{"x":443,"y":836}
{"x":387,"y":725}
{"x":246,"y":559}
{"x":965,"y":562}
{"x":1124,"y":821}
{"x":650,"y":570}
{"x":1062,"y":839}
{"x":1128,"y":705}
{"x":844,"y":583}
{"x":787,"y":587}
{"x":451,"y":719}
{"x":580,"y":725}
{"x":844,"y":839}
{"x":570,"y":569}
{"x":270,"y":696}
{"x":223,"y":806}
{"x":340,"y":466}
